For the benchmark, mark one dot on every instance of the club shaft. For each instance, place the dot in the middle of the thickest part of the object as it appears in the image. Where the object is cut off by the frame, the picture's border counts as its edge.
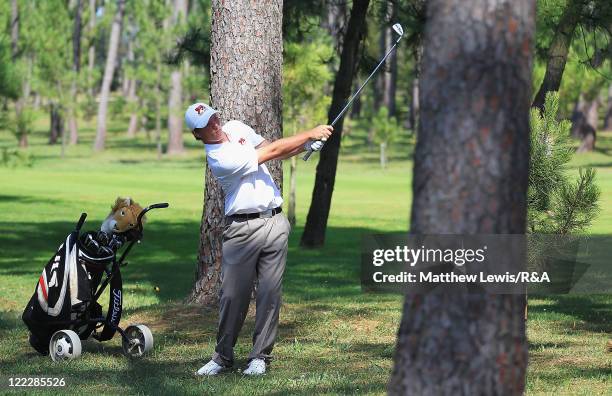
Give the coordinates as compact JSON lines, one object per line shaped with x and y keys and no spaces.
{"x":352,"y":99}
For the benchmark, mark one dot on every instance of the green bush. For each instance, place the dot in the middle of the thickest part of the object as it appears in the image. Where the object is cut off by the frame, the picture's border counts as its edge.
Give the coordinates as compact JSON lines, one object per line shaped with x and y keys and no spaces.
{"x":13,"y":158}
{"x":556,"y":203}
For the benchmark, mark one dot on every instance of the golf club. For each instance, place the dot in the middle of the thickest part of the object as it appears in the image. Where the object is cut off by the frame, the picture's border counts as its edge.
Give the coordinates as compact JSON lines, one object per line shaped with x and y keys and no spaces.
{"x":400,"y":31}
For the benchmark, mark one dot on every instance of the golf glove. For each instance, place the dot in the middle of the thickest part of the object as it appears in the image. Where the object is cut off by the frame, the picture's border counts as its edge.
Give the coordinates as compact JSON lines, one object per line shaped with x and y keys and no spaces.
{"x":315,"y":145}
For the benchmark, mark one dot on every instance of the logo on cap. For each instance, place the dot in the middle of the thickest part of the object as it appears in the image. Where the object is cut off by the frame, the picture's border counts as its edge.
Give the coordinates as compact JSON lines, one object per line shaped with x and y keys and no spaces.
{"x":241,"y":141}
{"x":199,"y":109}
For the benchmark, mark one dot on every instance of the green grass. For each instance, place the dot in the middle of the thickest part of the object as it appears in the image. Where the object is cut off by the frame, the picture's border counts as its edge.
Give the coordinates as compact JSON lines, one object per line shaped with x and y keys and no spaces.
{"x":333,"y":338}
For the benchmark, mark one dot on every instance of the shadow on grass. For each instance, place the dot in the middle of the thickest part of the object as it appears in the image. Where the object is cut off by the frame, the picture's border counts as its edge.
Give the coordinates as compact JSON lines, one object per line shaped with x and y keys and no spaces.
{"x":593,"y":312}
{"x":168,"y":252}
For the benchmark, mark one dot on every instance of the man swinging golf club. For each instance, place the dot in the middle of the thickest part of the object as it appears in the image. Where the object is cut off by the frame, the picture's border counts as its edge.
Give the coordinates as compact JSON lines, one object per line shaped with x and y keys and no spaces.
{"x":255,"y":234}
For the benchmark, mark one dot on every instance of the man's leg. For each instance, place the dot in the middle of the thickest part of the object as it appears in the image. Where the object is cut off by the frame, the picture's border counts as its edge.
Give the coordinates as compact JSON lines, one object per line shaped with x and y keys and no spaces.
{"x":270,"y":270}
{"x":242,"y":243}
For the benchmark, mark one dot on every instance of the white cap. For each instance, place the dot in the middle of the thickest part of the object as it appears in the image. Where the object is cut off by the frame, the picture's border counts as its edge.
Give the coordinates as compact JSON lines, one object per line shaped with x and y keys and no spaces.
{"x":197,"y":115}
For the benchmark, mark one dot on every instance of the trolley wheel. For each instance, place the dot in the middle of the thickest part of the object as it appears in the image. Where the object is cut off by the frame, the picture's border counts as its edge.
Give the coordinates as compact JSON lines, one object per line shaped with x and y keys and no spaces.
{"x":138,"y":340}
{"x":64,"y":345}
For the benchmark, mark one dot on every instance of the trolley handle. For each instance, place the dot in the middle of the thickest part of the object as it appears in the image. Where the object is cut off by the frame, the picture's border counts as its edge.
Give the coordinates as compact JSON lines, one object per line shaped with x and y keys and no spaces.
{"x":160,"y":205}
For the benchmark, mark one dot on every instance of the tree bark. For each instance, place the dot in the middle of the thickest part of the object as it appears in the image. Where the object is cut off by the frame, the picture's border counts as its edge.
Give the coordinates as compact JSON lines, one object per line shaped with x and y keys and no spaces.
{"x":56,"y":124}
{"x":20,"y":102}
{"x":131,"y":94}
{"x":175,"y":99}
{"x":246,"y":72}
{"x":585,"y":118}
{"x":132,"y":98}
{"x":390,"y":75}
{"x":558,"y":51}
{"x":91,"y":52}
{"x":470,"y":177}
{"x":76,"y":63}
{"x":414,"y":100}
{"x":14,"y":29}
{"x":608,"y":117}
{"x":334,"y":23}
{"x":109,"y":70}
{"x":292,"y":190}
{"x":316,"y":222}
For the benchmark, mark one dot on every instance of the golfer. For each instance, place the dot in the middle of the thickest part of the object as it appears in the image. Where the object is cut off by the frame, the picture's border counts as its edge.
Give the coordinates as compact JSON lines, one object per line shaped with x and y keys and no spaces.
{"x":255,"y":234}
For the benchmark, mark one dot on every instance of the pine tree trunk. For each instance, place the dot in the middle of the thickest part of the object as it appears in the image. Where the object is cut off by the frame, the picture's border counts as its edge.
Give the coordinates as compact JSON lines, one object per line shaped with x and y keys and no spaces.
{"x":245,"y":54}
{"x":608,"y":117}
{"x":14,"y":29}
{"x":175,"y":121}
{"x":76,"y":63}
{"x":292,"y":189}
{"x":356,"y":107}
{"x":175,"y":99}
{"x":477,"y":67}
{"x":414,"y":100}
{"x":91,"y":52}
{"x":558,"y":51}
{"x":132,"y":98}
{"x":157,"y":91}
{"x":334,"y":23}
{"x":584,"y":122}
{"x":56,"y":124}
{"x":316,"y":222}
{"x":109,"y":70}
{"x":390,"y":75}
{"x":20,"y":102}
{"x":131,"y":95}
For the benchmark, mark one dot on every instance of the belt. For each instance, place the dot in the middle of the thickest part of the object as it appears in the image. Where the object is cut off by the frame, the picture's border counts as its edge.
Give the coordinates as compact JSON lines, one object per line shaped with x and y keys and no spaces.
{"x":249,"y":216}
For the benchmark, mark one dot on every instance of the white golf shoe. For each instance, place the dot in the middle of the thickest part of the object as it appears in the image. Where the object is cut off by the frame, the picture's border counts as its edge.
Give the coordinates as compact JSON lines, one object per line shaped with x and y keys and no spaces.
{"x":256,"y":367}
{"x":210,"y":368}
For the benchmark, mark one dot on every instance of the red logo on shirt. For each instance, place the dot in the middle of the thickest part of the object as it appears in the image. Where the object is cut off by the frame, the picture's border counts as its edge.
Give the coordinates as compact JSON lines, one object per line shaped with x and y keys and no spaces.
{"x":241,"y":141}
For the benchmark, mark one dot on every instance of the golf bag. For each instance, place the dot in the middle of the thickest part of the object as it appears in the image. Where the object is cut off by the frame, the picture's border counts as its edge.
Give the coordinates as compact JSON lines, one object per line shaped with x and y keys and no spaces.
{"x":64,"y":308}
{"x":64,"y":295}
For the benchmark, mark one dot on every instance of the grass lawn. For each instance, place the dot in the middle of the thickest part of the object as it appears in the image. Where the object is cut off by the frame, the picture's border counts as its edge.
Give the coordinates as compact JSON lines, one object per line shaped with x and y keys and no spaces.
{"x":333,"y":338}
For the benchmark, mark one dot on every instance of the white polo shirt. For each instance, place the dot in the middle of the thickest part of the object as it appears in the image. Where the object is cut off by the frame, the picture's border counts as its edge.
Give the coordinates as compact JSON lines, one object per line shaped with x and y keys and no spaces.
{"x":248,"y":186}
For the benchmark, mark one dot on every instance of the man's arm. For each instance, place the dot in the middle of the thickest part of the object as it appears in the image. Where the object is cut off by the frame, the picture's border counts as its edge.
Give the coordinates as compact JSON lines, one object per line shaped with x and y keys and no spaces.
{"x":291,"y":154}
{"x":290,"y":146}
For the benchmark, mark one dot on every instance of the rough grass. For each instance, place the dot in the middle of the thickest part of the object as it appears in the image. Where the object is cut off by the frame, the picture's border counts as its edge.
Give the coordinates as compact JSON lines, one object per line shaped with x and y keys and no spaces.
{"x":333,"y":338}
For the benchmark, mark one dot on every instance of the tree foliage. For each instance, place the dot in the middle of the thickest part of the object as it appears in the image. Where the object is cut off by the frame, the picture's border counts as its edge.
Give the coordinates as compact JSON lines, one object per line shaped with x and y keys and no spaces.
{"x":557,"y":204}
{"x":305,"y":74}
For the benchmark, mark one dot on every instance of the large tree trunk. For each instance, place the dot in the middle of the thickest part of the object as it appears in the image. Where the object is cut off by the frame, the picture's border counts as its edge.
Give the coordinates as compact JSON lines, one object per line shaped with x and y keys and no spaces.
{"x":109,"y":70}
{"x":175,"y":99}
{"x":76,"y":63}
{"x":469,"y":180}
{"x":251,"y":94}
{"x":558,"y":50}
{"x":91,"y":52}
{"x":316,"y":222}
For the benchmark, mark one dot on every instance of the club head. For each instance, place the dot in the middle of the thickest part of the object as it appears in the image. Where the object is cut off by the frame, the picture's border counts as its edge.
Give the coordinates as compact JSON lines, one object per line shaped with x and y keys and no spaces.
{"x":398,"y":29}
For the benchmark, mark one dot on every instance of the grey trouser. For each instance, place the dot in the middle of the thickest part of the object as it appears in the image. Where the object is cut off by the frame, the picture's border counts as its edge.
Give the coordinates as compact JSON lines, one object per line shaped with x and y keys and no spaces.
{"x":252,"y":249}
